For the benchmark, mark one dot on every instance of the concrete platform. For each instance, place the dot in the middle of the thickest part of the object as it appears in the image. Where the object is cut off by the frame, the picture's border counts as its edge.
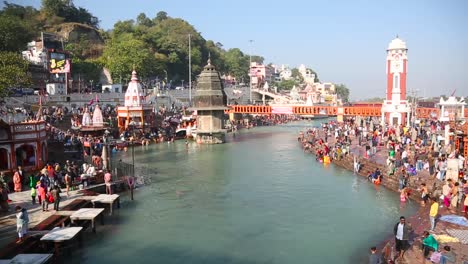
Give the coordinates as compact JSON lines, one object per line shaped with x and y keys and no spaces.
{"x":36,"y":215}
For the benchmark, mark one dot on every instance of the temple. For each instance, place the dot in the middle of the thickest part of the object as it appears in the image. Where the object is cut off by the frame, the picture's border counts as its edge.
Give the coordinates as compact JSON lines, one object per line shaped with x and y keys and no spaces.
{"x":210,"y":103}
{"x":135,"y":112}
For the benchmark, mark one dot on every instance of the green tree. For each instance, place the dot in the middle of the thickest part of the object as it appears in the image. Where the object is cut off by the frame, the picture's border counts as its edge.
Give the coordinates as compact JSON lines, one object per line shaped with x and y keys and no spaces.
{"x":13,"y":72}
{"x":86,"y":70}
{"x":123,"y":27}
{"x":297,"y":75}
{"x":14,"y":33}
{"x":171,"y":37}
{"x":69,"y":12}
{"x":316,"y":75}
{"x":258,"y":59}
{"x":122,"y":54}
{"x":286,"y":84}
{"x":217,"y":55}
{"x":237,"y":64}
{"x":53,"y":7}
{"x":343,"y":92}
{"x":160,"y":16}
{"x":143,"y":20}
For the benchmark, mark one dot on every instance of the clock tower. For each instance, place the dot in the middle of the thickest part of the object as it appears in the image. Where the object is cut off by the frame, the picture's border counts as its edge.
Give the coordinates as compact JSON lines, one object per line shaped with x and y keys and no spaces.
{"x":395,"y":108}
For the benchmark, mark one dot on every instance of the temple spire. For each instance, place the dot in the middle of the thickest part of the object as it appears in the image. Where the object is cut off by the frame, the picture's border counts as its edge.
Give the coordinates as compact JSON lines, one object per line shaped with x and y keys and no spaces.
{"x":209,"y":58}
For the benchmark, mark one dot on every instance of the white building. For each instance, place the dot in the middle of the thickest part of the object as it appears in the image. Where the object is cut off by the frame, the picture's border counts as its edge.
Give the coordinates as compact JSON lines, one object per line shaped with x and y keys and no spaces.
{"x":35,"y":54}
{"x":112,"y":88}
{"x":285,"y":73}
{"x":452,"y":109}
{"x":309,"y":77}
{"x":56,"y":88}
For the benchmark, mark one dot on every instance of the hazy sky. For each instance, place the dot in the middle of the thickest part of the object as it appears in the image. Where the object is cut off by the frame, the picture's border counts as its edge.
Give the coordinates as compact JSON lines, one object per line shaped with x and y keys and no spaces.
{"x":345,"y":41}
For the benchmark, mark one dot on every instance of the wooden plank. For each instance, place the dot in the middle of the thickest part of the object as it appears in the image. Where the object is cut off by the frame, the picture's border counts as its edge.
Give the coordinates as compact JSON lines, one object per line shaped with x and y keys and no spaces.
{"x":64,"y":213}
{"x":31,"y":258}
{"x":86,"y":214}
{"x":62,"y":234}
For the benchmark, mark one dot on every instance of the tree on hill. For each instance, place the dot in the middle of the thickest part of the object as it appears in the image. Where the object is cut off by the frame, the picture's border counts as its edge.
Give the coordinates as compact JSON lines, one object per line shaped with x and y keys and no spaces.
{"x":18,"y":25}
{"x":160,"y":16}
{"x":237,"y":64}
{"x":258,"y":59}
{"x":343,"y":92}
{"x":316,"y":75}
{"x":14,"y":33}
{"x":287,"y":84}
{"x":122,"y":54}
{"x":67,"y":10}
{"x":143,"y":20}
{"x":297,"y":75}
{"x":13,"y":72}
{"x":217,"y":54}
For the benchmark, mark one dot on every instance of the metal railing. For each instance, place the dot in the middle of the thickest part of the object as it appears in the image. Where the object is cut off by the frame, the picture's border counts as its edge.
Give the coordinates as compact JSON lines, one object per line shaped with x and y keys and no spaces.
{"x":121,"y":169}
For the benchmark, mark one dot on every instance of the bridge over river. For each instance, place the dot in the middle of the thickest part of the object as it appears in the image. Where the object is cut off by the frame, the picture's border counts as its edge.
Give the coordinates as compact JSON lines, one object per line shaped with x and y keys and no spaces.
{"x":327,"y":110}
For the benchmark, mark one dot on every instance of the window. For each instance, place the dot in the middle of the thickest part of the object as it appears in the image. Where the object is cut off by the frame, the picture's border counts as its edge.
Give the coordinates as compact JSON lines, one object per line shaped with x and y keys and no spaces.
{"x":396,"y":83}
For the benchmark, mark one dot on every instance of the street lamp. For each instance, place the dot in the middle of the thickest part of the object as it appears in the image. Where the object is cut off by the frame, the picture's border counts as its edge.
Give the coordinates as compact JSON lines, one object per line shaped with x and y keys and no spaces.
{"x":71,"y":86}
{"x":250,"y":74}
{"x":132,"y":139}
{"x":190,"y":69}
{"x":131,"y":180}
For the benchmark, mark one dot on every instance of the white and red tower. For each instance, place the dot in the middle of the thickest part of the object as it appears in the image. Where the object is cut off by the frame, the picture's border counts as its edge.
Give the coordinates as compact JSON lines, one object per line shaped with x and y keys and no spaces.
{"x":395,"y":109}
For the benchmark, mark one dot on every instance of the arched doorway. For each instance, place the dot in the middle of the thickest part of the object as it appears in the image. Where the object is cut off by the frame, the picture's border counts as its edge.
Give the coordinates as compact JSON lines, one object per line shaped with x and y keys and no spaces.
{"x":4,"y":159}
{"x":25,"y":156}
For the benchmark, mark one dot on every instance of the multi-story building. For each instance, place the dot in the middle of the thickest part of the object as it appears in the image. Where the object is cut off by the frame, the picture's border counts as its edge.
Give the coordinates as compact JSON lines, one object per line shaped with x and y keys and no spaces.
{"x":50,"y":66}
{"x":307,"y":74}
{"x":260,"y":74}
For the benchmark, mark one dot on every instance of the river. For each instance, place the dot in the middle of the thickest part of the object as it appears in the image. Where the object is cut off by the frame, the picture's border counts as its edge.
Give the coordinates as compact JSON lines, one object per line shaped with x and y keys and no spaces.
{"x":256,"y":199}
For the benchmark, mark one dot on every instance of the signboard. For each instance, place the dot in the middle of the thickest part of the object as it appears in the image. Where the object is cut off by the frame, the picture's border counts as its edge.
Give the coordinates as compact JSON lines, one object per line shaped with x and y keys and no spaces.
{"x":282,"y":110}
{"x":58,"y":63}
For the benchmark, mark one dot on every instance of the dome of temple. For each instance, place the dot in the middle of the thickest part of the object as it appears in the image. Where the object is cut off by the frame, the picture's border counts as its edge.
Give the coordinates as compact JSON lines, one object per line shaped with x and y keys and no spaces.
{"x":97,"y":117}
{"x":86,"y":120}
{"x":134,"y":95}
{"x":397,"y":43}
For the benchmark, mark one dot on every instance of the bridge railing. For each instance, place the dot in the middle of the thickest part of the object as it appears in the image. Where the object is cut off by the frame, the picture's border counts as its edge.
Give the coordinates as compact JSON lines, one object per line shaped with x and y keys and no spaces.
{"x":421,"y":112}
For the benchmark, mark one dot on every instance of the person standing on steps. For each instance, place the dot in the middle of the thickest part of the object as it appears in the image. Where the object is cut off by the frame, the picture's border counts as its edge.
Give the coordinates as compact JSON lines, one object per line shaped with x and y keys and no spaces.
{"x":108,"y":182}
{"x":68,"y":183}
{"x":433,"y":212}
{"x":374,"y":257}
{"x":17,"y":182}
{"x":401,"y":232}
{"x":56,"y":195}
{"x":22,"y":221}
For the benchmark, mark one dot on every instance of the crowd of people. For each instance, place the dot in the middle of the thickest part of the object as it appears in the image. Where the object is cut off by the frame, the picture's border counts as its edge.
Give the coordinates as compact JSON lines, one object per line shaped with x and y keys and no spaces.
{"x":406,"y":152}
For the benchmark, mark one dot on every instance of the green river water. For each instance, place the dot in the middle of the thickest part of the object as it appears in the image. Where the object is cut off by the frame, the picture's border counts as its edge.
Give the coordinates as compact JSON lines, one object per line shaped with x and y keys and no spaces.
{"x":256,"y":199}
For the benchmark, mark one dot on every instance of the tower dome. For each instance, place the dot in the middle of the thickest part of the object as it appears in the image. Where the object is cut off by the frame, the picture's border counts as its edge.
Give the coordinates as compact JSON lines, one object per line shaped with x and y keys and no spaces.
{"x":134,"y":95}
{"x":397,"y":44}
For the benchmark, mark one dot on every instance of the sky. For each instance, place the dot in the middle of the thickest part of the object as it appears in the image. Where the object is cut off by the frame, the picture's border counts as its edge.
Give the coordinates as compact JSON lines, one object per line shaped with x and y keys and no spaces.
{"x":344,"y":41}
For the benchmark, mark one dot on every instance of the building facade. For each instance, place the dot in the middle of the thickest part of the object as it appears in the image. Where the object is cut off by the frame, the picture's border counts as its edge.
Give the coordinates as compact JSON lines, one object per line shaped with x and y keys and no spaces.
{"x":260,"y":74}
{"x":23,"y":144}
